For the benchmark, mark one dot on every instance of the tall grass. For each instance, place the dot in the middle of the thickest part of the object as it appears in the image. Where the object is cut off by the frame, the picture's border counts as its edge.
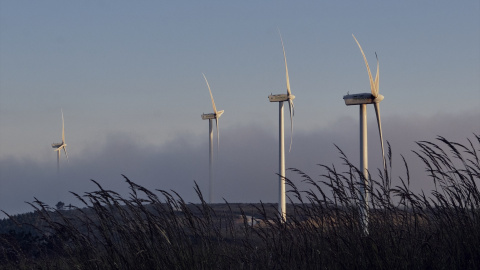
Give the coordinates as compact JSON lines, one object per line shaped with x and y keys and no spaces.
{"x":159,"y":230}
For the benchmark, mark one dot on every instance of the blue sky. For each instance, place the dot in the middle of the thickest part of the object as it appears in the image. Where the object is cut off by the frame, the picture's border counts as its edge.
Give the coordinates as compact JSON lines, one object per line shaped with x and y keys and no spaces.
{"x":128,"y":76}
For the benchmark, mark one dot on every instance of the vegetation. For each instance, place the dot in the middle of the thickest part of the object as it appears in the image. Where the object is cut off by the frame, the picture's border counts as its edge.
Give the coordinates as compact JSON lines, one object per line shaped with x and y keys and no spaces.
{"x":159,"y":230}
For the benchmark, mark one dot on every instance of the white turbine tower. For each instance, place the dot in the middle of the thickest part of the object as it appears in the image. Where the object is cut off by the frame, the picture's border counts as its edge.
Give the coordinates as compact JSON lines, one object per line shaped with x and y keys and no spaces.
{"x":363,"y":99}
{"x":59,"y":146}
{"x":210,"y":116}
{"x":280,"y":98}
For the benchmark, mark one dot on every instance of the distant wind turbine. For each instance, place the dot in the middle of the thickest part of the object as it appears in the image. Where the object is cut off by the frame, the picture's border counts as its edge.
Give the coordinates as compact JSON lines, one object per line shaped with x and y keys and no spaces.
{"x":210,"y":116}
{"x":59,"y":146}
{"x":280,"y":98}
{"x":363,"y":99}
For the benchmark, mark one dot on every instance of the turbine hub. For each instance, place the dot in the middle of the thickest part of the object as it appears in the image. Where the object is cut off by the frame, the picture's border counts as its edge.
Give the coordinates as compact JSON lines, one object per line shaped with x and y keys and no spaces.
{"x":378,"y":98}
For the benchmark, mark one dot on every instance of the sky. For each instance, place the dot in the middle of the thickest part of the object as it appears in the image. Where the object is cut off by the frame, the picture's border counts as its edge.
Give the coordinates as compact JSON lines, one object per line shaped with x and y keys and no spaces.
{"x":128,"y":77}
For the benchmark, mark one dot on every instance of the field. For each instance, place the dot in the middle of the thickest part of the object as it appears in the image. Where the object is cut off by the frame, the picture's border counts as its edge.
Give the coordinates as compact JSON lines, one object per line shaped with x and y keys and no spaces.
{"x":159,"y":230}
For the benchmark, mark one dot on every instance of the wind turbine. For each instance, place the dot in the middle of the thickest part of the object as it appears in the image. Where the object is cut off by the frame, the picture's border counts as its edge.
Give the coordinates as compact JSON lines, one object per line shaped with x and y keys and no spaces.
{"x":210,"y":116}
{"x":363,"y":99}
{"x":59,"y":146}
{"x":280,"y":98}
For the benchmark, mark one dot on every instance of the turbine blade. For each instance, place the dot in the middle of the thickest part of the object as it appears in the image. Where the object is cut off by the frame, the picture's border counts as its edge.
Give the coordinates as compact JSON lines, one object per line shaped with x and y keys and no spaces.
{"x":291,"y":108}
{"x":372,"y":84}
{"x":218,"y":133}
{"x":289,"y":92}
{"x":377,"y":77}
{"x":379,"y":122}
{"x":65,"y":150}
{"x":63,"y":128}
{"x":211,"y":96}
{"x":286,"y":67}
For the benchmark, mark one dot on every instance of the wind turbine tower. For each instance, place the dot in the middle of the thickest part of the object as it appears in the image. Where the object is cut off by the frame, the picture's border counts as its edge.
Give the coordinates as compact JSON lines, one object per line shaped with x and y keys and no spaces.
{"x":363,"y":99}
{"x":280,"y":98}
{"x":59,"y":146}
{"x":211,"y":116}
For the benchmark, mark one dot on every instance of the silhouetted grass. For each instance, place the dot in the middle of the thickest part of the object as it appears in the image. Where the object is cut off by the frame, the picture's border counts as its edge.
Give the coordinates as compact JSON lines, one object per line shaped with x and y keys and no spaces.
{"x":159,"y":230}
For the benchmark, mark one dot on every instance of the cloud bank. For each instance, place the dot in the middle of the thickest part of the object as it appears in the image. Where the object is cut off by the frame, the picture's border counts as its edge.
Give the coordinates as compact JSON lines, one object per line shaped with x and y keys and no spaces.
{"x":246,"y":163}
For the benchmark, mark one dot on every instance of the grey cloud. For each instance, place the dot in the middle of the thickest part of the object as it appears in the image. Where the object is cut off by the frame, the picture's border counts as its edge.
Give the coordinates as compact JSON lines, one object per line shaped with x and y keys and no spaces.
{"x":246,"y":163}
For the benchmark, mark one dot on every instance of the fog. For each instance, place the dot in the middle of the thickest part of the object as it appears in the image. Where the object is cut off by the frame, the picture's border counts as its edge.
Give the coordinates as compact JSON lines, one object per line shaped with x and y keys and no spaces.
{"x":245,"y":164}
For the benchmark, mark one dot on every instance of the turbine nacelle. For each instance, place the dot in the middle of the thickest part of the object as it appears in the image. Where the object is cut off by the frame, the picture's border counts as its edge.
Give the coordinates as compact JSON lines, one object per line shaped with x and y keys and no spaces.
{"x":362,"y":98}
{"x":207,"y":116}
{"x":60,"y":147}
{"x":57,"y":145}
{"x":280,"y":97}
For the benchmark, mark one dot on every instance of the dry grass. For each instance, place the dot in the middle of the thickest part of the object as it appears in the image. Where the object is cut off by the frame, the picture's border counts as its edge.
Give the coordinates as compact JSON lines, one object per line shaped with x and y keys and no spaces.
{"x":159,"y":230}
